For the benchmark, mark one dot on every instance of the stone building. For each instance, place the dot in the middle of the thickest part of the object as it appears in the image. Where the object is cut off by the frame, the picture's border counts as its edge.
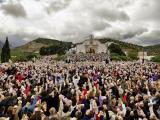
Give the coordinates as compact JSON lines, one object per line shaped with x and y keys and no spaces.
{"x":91,"y":45}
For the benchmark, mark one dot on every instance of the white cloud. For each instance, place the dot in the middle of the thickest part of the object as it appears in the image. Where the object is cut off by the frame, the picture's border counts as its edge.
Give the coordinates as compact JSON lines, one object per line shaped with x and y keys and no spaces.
{"x":135,"y":21}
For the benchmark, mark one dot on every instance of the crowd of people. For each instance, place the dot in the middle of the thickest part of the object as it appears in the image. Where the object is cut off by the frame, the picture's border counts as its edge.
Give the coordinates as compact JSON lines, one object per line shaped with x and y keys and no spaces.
{"x":48,"y":90}
{"x":81,"y":57}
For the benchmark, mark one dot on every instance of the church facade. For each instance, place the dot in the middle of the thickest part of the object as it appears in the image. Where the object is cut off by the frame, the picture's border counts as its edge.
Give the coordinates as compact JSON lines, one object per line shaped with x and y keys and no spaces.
{"x":91,"y":46}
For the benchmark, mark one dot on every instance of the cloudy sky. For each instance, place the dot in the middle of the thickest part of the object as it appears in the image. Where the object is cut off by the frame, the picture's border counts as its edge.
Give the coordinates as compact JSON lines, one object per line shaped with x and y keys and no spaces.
{"x":135,"y":21}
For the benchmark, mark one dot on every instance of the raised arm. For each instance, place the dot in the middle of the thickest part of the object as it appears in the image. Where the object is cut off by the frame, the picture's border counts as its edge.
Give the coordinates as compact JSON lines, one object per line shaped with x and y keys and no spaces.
{"x":60,"y":105}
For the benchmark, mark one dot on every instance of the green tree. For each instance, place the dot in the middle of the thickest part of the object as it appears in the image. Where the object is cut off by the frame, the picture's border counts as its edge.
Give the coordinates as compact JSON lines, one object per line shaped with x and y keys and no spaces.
{"x":156,"y":59}
{"x":59,"y":48}
{"x":5,"y":54}
{"x":115,"y":49}
{"x":133,"y":55}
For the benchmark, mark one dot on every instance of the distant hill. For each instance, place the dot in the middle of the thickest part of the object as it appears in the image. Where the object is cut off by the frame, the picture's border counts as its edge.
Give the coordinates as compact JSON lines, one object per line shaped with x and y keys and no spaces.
{"x":1,"y":44}
{"x":153,"y":49}
{"x":123,"y":45}
{"x":35,"y":45}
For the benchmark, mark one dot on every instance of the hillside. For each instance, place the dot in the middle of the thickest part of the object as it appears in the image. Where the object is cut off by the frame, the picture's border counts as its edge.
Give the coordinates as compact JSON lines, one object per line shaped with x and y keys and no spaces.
{"x":154,"y":49}
{"x":35,"y":45}
{"x":123,"y":45}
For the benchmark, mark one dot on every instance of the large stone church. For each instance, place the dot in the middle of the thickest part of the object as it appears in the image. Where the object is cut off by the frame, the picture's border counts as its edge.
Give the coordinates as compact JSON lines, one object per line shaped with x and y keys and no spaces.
{"x":91,"y":45}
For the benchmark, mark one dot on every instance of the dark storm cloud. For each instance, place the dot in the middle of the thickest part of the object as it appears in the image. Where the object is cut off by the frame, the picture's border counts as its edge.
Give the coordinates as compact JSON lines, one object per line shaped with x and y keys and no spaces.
{"x":1,"y":1}
{"x":134,"y":32}
{"x":148,"y":38}
{"x":150,"y":42}
{"x":98,"y":26}
{"x":57,"y":5}
{"x":152,"y":37}
{"x":111,"y":15}
{"x":14,"y":9}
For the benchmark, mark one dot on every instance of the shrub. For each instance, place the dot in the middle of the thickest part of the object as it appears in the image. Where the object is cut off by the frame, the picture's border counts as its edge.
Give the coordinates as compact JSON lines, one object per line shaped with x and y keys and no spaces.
{"x":55,"y":49}
{"x":26,"y":56}
{"x":156,"y":59}
{"x":133,"y":55}
{"x":115,"y":49}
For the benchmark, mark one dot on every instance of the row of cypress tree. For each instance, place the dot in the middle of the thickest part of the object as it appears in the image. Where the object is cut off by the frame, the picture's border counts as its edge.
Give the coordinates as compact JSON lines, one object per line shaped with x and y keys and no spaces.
{"x":5,"y":54}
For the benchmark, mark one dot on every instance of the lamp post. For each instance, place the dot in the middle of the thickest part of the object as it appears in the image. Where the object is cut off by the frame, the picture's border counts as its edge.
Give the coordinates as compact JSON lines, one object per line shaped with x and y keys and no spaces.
{"x":143,"y":56}
{"x":108,"y":56}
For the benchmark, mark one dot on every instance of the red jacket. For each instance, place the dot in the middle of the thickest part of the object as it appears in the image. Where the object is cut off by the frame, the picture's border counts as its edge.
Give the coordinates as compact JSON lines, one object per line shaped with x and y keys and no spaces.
{"x":20,"y":77}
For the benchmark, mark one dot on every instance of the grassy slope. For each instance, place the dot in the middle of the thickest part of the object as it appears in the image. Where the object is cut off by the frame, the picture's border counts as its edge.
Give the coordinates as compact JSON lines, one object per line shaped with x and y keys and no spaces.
{"x":35,"y":45}
{"x":154,"y":49}
{"x":30,"y":47}
{"x":123,"y":45}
